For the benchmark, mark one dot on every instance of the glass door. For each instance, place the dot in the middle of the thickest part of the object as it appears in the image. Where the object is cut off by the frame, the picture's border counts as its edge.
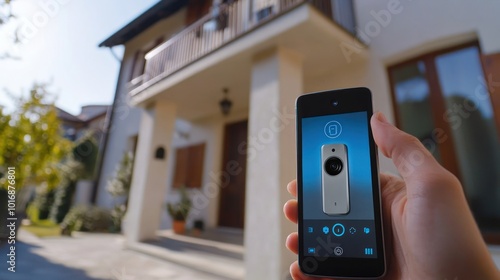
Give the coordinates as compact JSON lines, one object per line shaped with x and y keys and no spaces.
{"x":442,"y":99}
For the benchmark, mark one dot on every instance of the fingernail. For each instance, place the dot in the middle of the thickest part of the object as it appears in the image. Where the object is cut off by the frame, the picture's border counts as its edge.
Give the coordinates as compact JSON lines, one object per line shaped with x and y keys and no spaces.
{"x":381,"y":117}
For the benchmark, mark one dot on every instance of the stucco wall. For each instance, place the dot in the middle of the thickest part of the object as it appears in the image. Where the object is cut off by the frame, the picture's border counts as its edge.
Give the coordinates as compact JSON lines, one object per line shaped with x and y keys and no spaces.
{"x":418,"y":25}
{"x":126,"y":119}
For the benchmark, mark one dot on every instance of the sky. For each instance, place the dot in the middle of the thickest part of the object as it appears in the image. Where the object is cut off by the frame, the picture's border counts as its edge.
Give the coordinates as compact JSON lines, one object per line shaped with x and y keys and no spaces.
{"x":59,"y":46}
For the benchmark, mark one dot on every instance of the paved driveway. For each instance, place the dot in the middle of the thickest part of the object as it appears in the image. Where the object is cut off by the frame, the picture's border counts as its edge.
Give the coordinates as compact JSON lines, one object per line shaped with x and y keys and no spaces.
{"x":89,"y":256}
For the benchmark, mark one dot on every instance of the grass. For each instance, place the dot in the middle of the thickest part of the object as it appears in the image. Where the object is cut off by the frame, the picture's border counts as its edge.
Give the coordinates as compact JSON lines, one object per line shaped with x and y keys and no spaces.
{"x":41,"y":228}
{"x":47,"y":228}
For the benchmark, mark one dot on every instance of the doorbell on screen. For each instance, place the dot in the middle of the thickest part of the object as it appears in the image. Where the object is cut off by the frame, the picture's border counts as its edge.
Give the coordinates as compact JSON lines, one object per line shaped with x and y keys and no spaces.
{"x":335,"y":179}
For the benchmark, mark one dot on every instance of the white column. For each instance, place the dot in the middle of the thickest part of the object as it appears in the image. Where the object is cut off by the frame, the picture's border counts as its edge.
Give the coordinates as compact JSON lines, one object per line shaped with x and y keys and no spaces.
{"x":149,"y":181}
{"x":271,"y":164}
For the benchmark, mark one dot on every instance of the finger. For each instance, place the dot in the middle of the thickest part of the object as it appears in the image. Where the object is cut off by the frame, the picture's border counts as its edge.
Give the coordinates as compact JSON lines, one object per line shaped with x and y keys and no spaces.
{"x":410,"y":157}
{"x":390,"y":183}
{"x":384,"y":179}
{"x":291,"y":210}
{"x":292,"y":188}
{"x":292,"y":242}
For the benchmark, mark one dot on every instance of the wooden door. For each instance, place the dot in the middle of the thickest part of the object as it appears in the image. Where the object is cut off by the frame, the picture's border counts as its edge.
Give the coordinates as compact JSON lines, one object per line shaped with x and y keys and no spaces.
{"x":232,"y":193}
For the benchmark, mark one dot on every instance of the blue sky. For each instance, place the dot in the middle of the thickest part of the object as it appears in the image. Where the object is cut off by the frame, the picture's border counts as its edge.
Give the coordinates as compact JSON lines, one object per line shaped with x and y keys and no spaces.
{"x":60,"y":39}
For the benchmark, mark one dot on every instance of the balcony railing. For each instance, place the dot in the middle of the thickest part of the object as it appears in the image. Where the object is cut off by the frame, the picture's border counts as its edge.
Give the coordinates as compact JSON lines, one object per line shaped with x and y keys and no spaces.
{"x":222,"y":25}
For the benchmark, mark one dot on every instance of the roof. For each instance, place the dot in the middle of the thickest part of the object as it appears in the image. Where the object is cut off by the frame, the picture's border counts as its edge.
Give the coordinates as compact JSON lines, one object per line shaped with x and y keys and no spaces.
{"x":63,"y":115}
{"x":161,"y":10}
{"x":88,"y":113}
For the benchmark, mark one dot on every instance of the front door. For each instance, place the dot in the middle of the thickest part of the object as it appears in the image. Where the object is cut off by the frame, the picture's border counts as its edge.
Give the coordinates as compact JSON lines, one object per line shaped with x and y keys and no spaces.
{"x":232,"y":194}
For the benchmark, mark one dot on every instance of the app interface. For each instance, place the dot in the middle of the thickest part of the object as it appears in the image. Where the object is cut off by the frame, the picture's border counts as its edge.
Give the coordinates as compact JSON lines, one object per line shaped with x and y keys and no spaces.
{"x":338,"y":210}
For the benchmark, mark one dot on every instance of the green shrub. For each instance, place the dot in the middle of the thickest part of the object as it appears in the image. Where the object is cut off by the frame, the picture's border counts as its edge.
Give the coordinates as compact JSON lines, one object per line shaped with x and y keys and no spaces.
{"x":43,"y":201}
{"x":119,"y":184}
{"x":62,"y":201}
{"x":79,"y":165}
{"x":180,"y":210}
{"x":87,"y":218}
{"x":119,"y":187}
{"x":117,"y":214}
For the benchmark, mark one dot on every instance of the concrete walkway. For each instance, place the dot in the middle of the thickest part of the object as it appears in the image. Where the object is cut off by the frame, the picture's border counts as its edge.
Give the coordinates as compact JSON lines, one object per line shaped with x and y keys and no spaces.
{"x":88,"y":256}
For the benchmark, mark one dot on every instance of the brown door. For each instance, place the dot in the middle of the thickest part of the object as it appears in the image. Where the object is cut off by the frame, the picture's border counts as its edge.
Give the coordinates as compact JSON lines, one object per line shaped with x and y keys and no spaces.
{"x":232,"y":194}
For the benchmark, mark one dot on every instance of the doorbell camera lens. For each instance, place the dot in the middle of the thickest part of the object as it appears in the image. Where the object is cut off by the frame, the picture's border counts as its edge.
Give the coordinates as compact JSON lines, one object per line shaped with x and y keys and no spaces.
{"x":333,"y":166}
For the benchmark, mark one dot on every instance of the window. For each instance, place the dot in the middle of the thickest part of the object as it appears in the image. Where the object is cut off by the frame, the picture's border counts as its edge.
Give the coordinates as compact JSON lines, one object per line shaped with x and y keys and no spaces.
{"x":442,"y":99}
{"x":189,"y":166}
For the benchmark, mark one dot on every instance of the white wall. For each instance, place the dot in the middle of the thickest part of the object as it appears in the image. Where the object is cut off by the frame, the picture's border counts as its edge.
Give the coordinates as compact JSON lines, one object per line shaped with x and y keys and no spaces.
{"x":125,"y":123}
{"x":421,"y":24}
{"x":126,"y":119}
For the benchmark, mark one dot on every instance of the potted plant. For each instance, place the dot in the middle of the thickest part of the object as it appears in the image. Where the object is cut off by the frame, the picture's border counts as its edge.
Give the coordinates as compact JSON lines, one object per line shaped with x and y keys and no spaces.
{"x":179,"y":211}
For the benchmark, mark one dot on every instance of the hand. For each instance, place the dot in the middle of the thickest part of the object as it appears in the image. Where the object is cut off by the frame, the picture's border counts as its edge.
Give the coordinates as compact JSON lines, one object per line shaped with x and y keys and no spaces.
{"x":430,"y":232}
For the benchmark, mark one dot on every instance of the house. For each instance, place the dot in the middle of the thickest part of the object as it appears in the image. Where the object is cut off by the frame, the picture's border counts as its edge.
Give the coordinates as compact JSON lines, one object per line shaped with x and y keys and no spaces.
{"x":91,"y":117}
{"x":433,"y":68}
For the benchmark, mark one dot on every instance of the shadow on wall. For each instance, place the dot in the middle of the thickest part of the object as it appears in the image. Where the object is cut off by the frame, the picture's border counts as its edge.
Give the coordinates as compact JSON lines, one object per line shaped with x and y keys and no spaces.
{"x":30,"y":266}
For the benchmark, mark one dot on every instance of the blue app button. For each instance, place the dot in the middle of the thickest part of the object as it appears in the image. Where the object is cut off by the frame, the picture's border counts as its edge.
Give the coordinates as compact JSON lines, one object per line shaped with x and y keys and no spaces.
{"x":338,"y":229}
{"x":326,"y":230}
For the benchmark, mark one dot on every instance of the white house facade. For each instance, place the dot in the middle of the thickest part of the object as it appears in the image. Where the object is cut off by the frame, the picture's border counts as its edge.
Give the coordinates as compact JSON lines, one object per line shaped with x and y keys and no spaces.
{"x":433,"y":68}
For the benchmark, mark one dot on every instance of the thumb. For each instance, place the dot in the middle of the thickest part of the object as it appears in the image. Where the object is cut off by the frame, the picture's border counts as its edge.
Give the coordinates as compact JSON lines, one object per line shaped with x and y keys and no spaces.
{"x":410,"y":157}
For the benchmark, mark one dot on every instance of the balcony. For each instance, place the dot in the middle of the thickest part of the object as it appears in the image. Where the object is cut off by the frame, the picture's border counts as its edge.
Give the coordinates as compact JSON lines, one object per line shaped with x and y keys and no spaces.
{"x":224,"y":24}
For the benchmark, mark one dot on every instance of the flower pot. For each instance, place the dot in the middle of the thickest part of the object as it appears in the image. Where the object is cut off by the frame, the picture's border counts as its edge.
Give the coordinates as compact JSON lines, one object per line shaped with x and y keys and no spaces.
{"x":179,"y":227}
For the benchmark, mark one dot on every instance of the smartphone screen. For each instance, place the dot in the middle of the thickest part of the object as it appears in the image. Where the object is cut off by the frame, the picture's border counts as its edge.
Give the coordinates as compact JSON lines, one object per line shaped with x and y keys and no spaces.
{"x":340,"y":232}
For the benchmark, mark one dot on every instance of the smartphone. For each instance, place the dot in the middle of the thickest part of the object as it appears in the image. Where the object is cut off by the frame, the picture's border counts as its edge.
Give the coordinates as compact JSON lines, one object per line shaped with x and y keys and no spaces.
{"x":340,"y":215}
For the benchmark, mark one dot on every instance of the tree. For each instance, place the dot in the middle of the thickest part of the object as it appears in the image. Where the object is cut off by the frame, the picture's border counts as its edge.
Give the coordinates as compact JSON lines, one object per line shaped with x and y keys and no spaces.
{"x":32,"y":141}
{"x":6,"y":16}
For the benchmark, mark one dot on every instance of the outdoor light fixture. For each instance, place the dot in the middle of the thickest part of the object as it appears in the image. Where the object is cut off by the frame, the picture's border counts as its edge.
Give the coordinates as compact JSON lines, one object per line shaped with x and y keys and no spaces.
{"x":225,"y":104}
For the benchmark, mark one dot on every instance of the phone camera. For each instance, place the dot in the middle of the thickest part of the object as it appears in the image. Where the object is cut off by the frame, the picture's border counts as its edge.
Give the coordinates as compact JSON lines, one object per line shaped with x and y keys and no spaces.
{"x":333,"y":166}
{"x":335,"y":103}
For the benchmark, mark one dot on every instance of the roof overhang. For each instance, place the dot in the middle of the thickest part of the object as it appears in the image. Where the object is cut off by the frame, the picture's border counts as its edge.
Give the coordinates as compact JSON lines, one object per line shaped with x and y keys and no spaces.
{"x":159,"y":11}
